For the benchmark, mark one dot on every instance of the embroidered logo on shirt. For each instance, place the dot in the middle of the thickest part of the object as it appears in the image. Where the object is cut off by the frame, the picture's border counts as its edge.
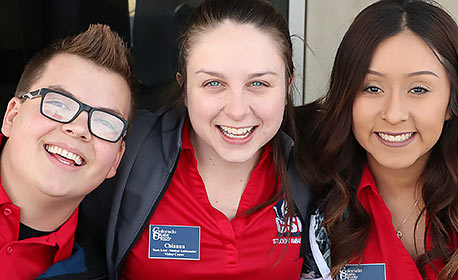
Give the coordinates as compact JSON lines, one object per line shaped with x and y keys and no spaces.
{"x":174,"y":242}
{"x":295,"y":225}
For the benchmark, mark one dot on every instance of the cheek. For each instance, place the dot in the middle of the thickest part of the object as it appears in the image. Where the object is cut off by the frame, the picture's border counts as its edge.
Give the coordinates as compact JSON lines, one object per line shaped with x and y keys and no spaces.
{"x":32,"y":124}
{"x":105,"y":154}
{"x":271,"y":112}
{"x":203,"y":107}
{"x":430,"y":126}
{"x":199,"y":115}
{"x":195,"y":112}
{"x":362,"y":120}
{"x":429,"y":116}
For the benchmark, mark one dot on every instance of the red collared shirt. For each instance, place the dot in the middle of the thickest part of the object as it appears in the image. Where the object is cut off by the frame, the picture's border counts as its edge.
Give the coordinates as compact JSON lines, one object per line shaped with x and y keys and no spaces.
{"x":28,"y":258}
{"x":186,"y":238}
{"x":384,"y":246}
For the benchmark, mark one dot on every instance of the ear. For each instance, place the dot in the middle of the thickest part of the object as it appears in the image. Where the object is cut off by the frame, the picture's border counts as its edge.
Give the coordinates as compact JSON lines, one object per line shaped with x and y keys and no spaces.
{"x":12,"y":111}
{"x":179,"y":79}
{"x":115,"y":165}
{"x":448,"y":114}
{"x":291,"y":81}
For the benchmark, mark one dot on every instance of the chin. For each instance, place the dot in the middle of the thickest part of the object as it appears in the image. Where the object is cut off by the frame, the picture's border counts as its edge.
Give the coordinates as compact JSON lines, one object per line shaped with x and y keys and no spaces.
{"x":54,"y":191}
{"x":396,"y":164}
{"x":237,"y":157}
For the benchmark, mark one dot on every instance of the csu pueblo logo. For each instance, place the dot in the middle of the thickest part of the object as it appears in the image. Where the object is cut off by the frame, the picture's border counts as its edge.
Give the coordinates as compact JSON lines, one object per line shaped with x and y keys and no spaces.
{"x":295,"y":224}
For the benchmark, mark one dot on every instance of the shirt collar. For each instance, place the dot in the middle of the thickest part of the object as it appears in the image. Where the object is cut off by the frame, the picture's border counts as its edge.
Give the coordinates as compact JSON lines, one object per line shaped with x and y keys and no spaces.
{"x":186,"y":137}
{"x":367,"y":181}
{"x":4,"y":198}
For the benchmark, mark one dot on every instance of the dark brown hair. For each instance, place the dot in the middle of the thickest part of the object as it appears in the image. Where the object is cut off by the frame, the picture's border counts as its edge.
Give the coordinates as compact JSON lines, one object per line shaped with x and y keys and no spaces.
{"x":341,"y":159}
{"x":265,"y":18}
{"x":97,"y":44}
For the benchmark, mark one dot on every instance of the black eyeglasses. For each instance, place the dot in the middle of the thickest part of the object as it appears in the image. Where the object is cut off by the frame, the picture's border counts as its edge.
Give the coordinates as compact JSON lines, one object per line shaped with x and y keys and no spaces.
{"x":62,"y":108}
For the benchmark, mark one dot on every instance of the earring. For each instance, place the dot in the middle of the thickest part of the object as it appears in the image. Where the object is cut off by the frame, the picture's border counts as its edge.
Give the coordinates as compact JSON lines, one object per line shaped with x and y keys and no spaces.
{"x":382,"y":114}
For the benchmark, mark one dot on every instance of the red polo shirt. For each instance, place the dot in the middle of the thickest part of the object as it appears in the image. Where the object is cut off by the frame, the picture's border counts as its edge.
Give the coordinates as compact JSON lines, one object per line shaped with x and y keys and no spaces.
{"x":187,"y":238}
{"x":384,"y":246}
{"x":28,"y":258}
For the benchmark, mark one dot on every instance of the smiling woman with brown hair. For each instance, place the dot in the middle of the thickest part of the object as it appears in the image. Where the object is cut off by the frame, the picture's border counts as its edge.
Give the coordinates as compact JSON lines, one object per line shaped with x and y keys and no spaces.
{"x":206,"y":188}
{"x":387,"y":148}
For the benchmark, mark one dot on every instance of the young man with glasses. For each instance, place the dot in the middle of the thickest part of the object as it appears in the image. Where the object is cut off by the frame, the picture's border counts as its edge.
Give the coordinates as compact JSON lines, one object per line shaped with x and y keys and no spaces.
{"x":62,"y":135}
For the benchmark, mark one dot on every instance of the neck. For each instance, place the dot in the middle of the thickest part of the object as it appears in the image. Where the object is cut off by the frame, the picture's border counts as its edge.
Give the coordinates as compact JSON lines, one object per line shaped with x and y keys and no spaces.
{"x":38,"y":210}
{"x":45,"y":214}
{"x":401,"y":192}
{"x":209,"y":161}
{"x":224,"y":181}
{"x":397,"y":184}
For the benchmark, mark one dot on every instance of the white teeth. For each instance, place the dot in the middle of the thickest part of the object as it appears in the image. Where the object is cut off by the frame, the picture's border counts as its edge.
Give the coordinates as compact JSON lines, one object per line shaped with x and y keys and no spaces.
{"x":398,"y":138}
{"x":237,"y":133}
{"x":64,"y":153}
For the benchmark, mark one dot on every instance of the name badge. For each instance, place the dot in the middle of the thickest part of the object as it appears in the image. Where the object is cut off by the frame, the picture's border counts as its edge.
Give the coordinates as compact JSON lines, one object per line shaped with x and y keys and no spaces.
{"x":373,"y":271}
{"x":174,"y":242}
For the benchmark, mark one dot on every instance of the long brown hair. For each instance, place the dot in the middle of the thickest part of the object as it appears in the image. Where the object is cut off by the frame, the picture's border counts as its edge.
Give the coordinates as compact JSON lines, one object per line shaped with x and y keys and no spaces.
{"x":264,"y":17}
{"x":339,"y":157}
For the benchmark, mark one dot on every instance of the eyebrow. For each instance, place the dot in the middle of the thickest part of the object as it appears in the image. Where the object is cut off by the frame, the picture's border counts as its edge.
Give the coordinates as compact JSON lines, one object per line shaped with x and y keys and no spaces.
{"x":220,"y":75}
{"x":260,"y":74}
{"x":210,"y":73}
{"x":62,"y":90}
{"x":425,"y":72}
{"x":417,"y":73}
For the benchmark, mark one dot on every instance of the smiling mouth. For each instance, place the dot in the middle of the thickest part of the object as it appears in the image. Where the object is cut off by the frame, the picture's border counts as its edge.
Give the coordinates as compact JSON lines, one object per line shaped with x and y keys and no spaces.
{"x":236,"y":133}
{"x":64,"y":156}
{"x":396,"y":138}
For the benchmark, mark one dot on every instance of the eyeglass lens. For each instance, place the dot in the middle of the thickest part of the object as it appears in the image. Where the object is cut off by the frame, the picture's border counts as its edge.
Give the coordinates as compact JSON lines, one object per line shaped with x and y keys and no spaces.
{"x":62,"y":108}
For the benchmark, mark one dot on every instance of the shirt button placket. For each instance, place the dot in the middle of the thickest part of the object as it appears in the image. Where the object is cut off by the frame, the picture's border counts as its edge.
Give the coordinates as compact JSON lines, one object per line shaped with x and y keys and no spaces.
{"x":7,"y":211}
{"x":231,"y":253}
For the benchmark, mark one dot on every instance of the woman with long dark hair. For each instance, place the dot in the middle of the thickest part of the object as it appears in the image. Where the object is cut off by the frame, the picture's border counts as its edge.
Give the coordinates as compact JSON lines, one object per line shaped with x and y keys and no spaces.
{"x":386,"y":148}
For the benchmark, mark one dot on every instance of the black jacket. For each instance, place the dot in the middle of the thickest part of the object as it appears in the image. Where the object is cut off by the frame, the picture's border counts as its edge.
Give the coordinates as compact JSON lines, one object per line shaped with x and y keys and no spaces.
{"x":151,"y":156}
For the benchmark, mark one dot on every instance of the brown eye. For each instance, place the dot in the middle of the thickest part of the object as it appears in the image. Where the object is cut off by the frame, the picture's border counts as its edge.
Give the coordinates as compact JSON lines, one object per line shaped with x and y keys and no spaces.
{"x":373,"y":90}
{"x":419,"y":90}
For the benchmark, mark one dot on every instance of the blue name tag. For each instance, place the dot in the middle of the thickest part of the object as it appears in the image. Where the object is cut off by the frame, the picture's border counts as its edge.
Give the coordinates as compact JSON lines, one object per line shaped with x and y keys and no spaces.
{"x":174,"y":242}
{"x":373,"y":271}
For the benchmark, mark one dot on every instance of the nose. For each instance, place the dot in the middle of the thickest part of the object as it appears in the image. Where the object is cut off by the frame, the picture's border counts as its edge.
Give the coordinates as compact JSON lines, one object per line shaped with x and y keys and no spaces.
{"x":396,"y":109}
{"x":78,"y":127}
{"x":236,"y":105}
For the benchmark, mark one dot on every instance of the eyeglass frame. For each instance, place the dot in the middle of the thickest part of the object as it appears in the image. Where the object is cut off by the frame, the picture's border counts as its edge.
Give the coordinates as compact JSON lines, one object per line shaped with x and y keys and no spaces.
{"x":82,"y":107}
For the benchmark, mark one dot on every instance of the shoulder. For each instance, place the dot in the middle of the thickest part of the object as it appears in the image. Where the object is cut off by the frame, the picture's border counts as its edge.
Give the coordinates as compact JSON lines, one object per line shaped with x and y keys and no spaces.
{"x":162,"y":120}
{"x":153,"y":132}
